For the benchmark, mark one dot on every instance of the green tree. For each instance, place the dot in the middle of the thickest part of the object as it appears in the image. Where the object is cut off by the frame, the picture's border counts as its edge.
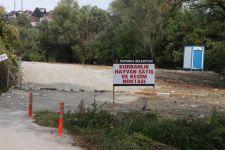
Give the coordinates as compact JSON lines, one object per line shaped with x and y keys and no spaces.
{"x":30,"y":46}
{"x":144,"y":16}
{"x":22,"y":20}
{"x":64,"y":31}
{"x":67,"y":38}
{"x":92,"y":22}
{"x":2,"y":11}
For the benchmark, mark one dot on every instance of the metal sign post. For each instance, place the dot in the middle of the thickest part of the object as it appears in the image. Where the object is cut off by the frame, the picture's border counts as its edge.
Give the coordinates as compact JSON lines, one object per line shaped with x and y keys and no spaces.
{"x":19,"y":75}
{"x":113,"y":107}
{"x":133,"y":73}
{"x":154,"y":95}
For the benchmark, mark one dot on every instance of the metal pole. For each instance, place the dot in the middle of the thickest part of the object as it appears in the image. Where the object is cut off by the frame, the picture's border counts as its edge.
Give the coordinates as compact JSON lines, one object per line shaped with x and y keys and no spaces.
{"x":14,"y":5}
{"x":154,"y":99}
{"x":8,"y":77}
{"x":19,"y":74}
{"x":113,"y":107}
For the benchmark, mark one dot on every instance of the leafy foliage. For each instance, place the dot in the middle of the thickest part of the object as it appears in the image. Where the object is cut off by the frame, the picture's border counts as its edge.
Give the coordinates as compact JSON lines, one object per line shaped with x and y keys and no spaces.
{"x":129,"y":29}
{"x":9,"y":36}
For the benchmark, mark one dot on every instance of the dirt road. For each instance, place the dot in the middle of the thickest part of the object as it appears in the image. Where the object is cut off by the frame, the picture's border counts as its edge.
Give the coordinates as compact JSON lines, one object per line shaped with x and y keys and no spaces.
{"x":17,"y":132}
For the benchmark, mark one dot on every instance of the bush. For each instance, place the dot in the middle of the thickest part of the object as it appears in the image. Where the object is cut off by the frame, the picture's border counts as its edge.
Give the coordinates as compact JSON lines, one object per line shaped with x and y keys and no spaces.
{"x":35,"y":56}
{"x":137,"y":130}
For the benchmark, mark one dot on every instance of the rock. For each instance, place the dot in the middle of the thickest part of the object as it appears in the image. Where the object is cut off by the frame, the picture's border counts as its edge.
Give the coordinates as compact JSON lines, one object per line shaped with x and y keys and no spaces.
{"x":48,"y":89}
{"x":158,"y":87}
{"x":183,"y":105}
{"x":201,"y":116}
{"x":194,"y":106}
{"x":67,"y":89}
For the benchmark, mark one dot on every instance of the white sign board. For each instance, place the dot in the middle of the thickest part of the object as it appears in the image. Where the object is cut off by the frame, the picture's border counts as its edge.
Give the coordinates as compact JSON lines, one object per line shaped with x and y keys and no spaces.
{"x":134,"y":73}
{"x":3,"y":57}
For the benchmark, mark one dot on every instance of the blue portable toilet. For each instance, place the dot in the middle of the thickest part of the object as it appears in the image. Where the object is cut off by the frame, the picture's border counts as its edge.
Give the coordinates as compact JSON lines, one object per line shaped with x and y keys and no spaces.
{"x":194,"y":57}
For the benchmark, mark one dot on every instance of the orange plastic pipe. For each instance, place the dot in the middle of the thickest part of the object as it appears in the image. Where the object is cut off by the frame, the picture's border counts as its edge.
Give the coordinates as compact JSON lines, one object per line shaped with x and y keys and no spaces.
{"x":61,"y":120}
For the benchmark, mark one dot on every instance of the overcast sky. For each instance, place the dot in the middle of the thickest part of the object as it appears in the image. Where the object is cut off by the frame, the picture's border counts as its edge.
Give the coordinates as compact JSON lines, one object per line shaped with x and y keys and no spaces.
{"x":49,"y":4}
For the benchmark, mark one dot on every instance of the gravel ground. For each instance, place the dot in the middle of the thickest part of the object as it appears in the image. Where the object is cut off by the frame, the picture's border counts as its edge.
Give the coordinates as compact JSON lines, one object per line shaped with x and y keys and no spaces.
{"x":52,"y":83}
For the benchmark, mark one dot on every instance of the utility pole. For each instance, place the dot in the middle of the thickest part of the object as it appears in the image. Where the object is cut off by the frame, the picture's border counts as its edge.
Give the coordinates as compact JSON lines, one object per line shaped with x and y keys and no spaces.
{"x":14,"y":5}
{"x":21,"y":5}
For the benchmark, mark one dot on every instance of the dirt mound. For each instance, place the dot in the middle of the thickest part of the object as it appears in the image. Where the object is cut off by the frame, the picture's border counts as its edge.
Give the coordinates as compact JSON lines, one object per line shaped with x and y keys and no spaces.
{"x":192,"y":77}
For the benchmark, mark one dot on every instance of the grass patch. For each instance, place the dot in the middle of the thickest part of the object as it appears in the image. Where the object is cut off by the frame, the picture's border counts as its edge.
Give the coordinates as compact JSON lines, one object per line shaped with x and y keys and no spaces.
{"x":46,"y":119}
{"x":137,"y":130}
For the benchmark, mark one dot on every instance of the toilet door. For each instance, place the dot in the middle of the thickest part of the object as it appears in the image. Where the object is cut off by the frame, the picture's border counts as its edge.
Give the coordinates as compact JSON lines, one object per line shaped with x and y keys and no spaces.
{"x":197,"y":59}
